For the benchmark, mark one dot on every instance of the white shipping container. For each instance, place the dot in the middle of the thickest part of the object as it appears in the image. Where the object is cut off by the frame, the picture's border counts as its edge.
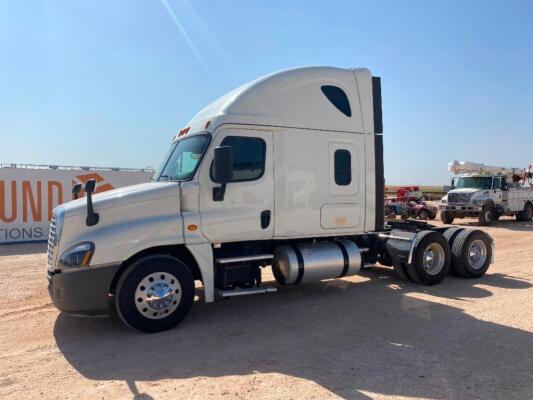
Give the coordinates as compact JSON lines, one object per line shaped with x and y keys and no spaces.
{"x":28,"y":195}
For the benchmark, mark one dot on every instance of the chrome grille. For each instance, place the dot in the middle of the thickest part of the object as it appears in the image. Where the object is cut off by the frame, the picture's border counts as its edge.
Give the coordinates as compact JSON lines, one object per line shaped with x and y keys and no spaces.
{"x":52,"y":242}
{"x":458,"y":197}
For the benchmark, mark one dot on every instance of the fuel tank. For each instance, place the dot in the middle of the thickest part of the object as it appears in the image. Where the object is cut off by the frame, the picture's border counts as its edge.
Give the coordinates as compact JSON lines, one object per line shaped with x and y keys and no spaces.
{"x":314,"y":261}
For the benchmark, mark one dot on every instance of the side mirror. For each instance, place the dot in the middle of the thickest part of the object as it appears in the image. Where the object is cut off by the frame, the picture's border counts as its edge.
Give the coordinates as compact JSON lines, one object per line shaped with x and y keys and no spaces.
{"x":90,"y":186}
{"x":76,"y":189}
{"x":222,"y":170}
{"x":92,"y":217}
{"x":223,"y":164}
{"x":452,"y":183}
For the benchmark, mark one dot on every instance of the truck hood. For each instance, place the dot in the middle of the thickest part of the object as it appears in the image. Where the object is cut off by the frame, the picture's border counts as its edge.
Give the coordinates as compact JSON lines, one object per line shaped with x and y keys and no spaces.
{"x":466,"y":190}
{"x":122,"y":196}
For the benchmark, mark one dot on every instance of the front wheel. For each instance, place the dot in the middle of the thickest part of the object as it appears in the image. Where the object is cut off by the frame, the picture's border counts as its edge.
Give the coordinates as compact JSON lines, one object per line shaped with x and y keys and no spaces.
{"x":486,"y":217}
{"x":446,"y":217}
{"x":155,"y":293}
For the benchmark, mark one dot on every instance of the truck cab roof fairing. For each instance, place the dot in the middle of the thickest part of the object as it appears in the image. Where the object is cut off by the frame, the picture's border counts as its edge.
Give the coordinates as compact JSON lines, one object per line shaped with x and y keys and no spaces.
{"x":293,"y":98}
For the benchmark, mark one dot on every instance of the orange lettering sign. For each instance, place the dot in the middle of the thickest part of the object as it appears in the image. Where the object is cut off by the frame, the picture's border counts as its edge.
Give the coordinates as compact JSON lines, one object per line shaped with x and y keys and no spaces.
{"x":35,"y":203}
{"x":3,"y":199}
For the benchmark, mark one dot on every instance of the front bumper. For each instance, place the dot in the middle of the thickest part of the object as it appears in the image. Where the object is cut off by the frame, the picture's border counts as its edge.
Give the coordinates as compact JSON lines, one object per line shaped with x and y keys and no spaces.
{"x":83,"y":291}
{"x":464,"y":208}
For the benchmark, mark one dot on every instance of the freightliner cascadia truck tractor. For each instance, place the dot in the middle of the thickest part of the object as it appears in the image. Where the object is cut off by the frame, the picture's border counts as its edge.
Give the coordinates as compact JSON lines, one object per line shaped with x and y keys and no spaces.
{"x":285,"y":172}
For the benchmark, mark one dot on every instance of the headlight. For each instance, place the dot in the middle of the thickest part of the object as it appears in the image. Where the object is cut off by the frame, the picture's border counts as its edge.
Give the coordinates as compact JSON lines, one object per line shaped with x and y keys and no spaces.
{"x":77,"y":256}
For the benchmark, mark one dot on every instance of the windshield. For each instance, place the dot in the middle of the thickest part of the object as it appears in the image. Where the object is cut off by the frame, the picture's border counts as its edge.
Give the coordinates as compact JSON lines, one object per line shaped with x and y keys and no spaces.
{"x":474,"y":182}
{"x":182,"y":159}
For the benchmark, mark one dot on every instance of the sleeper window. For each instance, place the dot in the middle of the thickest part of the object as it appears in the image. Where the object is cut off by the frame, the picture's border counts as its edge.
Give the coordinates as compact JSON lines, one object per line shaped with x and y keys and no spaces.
{"x":343,"y":167}
{"x":338,"y":98}
{"x":248,"y":157}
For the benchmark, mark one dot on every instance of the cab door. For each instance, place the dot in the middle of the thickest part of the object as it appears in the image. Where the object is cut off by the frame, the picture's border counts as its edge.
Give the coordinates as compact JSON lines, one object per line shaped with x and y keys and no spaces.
{"x":344,"y":207}
{"x":245,"y":213}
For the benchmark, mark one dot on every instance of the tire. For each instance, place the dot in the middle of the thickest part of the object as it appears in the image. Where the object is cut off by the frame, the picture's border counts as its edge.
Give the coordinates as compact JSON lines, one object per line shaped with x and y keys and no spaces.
{"x":526,"y":214}
{"x":136,"y":287}
{"x":486,"y":217}
{"x":431,"y":258}
{"x":450,"y":235}
{"x":401,"y":271}
{"x":447,"y":217}
{"x":471,"y":253}
{"x":423,"y":215}
{"x":433,"y":215}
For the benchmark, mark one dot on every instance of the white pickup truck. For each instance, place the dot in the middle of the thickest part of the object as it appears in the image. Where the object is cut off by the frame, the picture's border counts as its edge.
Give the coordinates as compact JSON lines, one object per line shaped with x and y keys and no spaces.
{"x":285,"y":172}
{"x":487,"y":192}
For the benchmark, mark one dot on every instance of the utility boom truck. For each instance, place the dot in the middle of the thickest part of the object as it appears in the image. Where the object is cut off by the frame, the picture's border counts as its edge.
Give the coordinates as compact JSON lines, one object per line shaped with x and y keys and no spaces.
{"x":285,"y":172}
{"x":487,"y":192}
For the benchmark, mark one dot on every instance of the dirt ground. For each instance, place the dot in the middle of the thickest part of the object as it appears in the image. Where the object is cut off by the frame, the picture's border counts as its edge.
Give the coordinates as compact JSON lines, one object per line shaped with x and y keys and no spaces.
{"x":370,"y":336}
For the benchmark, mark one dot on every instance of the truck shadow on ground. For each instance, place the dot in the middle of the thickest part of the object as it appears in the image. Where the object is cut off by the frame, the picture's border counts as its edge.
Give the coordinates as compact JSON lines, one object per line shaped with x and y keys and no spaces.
{"x":380,"y":336}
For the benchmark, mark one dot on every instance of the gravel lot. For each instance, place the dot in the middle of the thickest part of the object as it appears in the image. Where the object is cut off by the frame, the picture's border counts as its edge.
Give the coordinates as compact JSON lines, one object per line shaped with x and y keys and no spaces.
{"x":370,"y":336}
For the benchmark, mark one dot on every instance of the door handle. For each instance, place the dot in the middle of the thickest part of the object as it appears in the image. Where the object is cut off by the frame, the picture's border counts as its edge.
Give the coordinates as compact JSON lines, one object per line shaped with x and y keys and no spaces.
{"x":265,"y":219}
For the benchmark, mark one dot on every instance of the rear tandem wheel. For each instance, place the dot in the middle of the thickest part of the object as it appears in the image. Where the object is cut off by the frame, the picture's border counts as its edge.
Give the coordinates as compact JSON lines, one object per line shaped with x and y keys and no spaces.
{"x":471,"y":253}
{"x":430,"y":260}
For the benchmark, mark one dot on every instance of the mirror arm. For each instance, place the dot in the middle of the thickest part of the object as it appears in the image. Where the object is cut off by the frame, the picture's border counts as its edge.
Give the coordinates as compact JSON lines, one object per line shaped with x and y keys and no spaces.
{"x":219,"y":192}
{"x":92,"y":217}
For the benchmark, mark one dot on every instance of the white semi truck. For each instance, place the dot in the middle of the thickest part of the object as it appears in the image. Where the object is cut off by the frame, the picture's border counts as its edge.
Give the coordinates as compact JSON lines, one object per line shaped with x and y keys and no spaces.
{"x":285,"y":172}
{"x":487,"y":192}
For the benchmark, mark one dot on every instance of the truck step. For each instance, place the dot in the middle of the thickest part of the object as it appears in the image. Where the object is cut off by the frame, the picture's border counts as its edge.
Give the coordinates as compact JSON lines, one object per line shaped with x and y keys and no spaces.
{"x":232,"y":260}
{"x":244,"y":292}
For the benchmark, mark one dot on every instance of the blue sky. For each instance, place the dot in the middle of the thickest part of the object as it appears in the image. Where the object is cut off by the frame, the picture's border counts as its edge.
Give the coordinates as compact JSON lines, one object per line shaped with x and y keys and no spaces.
{"x":109,"y":82}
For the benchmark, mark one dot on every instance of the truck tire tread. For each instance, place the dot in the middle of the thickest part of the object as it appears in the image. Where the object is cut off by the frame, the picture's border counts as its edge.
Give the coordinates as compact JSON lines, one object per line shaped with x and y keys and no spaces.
{"x":446,"y":217}
{"x":459,"y":261}
{"x":450,"y":235}
{"x":410,"y":267}
{"x":401,"y":271}
{"x":526,"y":214}
{"x":486,"y":216}
{"x":415,"y":268}
{"x":124,"y":295}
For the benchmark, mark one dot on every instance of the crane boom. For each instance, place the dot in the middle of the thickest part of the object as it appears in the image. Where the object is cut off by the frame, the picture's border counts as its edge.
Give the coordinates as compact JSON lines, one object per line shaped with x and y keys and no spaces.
{"x":466,"y":167}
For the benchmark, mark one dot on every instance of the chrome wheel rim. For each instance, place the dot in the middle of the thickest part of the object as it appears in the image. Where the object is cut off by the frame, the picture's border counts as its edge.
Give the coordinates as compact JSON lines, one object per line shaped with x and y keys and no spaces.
{"x":433,"y":259}
{"x":477,"y":254}
{"x":157,"y":295}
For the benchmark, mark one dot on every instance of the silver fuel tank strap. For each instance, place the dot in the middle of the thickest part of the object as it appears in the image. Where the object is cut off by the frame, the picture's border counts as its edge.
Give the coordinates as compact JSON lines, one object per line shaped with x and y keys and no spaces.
{"x":300,"y":259}
{"x":345,"y":257}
